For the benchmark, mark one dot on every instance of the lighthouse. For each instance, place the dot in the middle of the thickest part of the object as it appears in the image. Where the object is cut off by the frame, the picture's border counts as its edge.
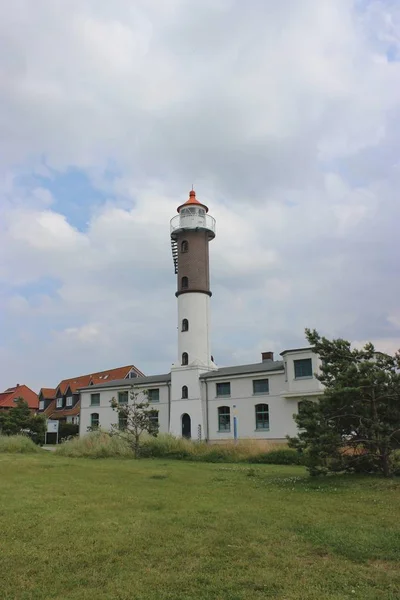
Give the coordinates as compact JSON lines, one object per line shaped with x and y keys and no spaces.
{"x":191,"y":230}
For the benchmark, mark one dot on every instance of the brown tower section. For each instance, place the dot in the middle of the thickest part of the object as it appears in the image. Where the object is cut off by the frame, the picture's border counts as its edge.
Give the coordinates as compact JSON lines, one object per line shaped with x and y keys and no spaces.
{"x":191,"y":231}
{"x":193,"y":262}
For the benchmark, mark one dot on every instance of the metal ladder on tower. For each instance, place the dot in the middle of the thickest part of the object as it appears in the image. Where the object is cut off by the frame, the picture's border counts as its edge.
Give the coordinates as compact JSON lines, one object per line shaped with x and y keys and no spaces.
{"x":174,"y":247}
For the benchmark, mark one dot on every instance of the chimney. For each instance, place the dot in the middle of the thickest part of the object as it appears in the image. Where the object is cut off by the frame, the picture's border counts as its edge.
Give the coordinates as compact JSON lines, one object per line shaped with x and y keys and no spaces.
{"x":265,"y":356}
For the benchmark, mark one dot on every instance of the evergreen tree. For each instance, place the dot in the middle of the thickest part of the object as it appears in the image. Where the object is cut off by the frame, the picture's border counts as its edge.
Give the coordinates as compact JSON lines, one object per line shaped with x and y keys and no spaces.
{"x":355,"y":425}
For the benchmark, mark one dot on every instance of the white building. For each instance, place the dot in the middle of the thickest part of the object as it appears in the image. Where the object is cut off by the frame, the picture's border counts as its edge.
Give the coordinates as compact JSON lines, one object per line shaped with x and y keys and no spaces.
{"x":197,"y":399}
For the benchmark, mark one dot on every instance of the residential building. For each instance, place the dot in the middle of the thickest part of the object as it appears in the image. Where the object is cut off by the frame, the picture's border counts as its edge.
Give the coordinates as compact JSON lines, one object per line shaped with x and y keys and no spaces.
{"x":9,"y":397}
{"x":63,"y":402}
{"x":197,"y":399}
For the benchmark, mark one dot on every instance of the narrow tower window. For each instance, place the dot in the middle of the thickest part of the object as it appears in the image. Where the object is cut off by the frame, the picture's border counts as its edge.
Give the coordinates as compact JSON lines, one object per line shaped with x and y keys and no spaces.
{"x":185,"y":246}
{"x":185,"y":393}
{"x":185,"y":358}
{"x":185,"y":283}
{"x":185,"y":325}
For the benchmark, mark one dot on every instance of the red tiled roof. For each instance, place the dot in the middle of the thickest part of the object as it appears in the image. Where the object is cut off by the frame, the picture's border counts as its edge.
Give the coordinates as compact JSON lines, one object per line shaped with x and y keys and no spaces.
{"x":74,"y":383}
{"x":8,"y":398}
{"x":51,"y":411}
{"x":47,"y":393}
{"x":84,"y":380}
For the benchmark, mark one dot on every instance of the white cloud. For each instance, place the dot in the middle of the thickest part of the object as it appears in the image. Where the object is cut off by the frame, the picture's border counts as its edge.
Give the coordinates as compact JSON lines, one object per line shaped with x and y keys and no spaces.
{"x":285,"y":116}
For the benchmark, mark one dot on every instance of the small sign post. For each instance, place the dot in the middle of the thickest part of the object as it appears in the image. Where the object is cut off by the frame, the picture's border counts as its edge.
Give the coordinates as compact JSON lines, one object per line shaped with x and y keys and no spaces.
{"x":235,"y":424}
{"x":52,"y":427}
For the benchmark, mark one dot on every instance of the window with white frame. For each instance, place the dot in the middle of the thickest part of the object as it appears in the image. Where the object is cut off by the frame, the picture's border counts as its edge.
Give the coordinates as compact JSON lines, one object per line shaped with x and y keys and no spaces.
{"x":94,"y":420}
{"x":224,"y":418}
{"x":69,"y":401}
{"x":59,"y":403}
{"x":123,"y":397}
{"x":154,"y":418}
{"x":41,"y":405}
{"x":303,"y":368}
{"x":262,"y":416}
{"x":223,"y":389}
{"x":154,"y":395}
{"x":260,"y":386}
{"x":94,"y":400}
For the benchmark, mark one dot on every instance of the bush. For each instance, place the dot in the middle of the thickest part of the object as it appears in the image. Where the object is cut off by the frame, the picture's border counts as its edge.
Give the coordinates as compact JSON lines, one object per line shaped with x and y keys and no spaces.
{"x":67,"y":430}
{"x":168,"y":446}
{"x":97,"y":444}
{"x":17,"y":444}
{"x":284,"y":456}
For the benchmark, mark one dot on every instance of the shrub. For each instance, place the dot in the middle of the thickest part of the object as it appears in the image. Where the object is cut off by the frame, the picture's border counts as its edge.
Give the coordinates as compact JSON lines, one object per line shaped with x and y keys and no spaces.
{"x":168,"y":446}
{"x":97,"y":444}
{"x":67,"y":430}
{"x":17,"y":444}
{"x":283,"y":456}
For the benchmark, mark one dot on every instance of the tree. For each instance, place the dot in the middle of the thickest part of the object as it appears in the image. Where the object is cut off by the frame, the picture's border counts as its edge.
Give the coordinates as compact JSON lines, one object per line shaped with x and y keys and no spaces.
{"x":19,"y":419}
{"x":355,"y":425}
{"x":134,"y":419}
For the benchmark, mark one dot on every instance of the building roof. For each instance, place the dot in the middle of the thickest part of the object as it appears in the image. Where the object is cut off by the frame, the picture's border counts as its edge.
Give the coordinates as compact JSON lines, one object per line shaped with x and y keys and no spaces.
{"x":62,"y":412}
{"x":309,"y":348}
{"x":75,"y":383}
{"x":192,"y":201}
{"x":262,"y":367}
{"x":47,"y":393}
{"x":9,"y":396}
{"x":165,"y":378}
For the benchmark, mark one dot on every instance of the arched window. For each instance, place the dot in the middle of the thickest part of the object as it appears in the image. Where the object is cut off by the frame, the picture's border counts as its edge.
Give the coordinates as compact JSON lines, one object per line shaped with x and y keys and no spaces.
{"x":224,"y":418}
{"x":262,"y":416}
{"x":185,"y":358}
{"x":184,"y":246}
{"x":185,"y":325}
{"x":94,"y":420}
{"x":122,"y":420}
{"x":185,"y":393}
{"x":185,"y":283}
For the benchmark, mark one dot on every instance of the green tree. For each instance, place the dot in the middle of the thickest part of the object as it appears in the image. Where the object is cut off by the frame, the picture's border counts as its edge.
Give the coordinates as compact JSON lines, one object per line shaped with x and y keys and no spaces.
{"x":19,"y":419}
{"x":355,"y":425}
{"x":134,"y":419}
{"x":16,"y":418}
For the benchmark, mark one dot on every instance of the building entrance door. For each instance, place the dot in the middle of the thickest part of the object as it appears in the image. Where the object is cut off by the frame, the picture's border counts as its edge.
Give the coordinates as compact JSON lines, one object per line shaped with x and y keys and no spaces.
{"x":186,"y":426}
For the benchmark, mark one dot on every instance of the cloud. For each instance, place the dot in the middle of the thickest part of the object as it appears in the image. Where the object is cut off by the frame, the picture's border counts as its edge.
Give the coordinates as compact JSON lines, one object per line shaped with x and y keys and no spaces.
{"x":285,"y":117}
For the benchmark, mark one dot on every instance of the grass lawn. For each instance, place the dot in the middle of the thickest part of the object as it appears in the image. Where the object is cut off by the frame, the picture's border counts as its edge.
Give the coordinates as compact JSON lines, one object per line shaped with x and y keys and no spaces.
{"x":80,"y":529}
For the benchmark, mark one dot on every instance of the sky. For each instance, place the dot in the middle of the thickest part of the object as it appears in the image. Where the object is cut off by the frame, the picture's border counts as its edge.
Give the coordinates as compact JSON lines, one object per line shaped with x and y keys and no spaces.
{"x":284,"y":116}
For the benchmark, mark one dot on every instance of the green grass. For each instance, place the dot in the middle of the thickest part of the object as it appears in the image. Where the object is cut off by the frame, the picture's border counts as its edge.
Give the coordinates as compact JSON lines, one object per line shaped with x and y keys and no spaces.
{"x":18,"y":444}
{"x":120,"y":529}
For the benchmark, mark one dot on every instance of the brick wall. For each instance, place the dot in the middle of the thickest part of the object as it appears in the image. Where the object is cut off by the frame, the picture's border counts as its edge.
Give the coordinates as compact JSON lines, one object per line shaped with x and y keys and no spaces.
{"x":194,"y":264}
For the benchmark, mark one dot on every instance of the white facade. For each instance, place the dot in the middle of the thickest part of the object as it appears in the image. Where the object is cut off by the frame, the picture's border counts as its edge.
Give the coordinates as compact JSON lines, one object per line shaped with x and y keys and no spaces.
{"x":195,"y":308}
{"x":107,"y":416}
{"x":285,"y":391}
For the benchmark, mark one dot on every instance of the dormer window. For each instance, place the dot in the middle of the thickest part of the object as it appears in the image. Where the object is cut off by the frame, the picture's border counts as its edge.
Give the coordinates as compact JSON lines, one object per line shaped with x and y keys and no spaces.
{"x":185,"y":246}
{"x":59,"y":403}
{"x":303,"y":368}
{"x":185,"y":283}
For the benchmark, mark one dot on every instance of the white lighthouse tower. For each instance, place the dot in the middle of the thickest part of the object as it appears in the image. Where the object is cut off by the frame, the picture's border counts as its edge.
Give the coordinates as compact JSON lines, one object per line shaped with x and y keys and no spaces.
{"x":191,"y":231}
